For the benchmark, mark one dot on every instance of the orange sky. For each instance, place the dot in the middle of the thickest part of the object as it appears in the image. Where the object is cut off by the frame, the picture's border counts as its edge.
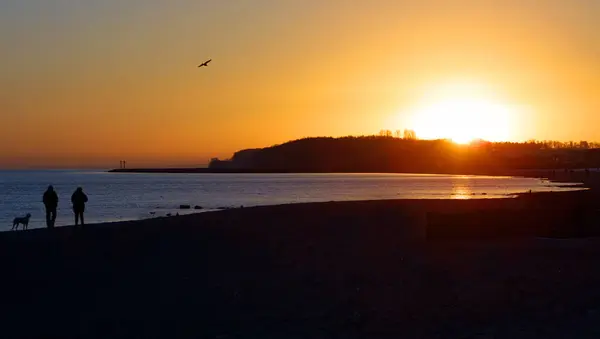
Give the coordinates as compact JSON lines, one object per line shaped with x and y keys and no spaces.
{"x":88,"y":83}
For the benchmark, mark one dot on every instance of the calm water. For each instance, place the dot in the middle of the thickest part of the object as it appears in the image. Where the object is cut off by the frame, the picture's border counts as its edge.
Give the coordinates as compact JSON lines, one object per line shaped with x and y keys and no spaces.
{"x":115,"y":197}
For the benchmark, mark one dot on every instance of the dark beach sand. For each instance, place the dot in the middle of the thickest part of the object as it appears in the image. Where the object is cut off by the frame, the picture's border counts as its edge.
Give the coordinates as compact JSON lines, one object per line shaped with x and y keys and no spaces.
{"x":380,"y":269}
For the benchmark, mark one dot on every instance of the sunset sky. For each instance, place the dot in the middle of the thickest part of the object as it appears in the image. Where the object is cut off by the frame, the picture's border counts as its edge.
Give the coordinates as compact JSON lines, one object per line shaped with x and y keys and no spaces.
{"x":88,"y":83}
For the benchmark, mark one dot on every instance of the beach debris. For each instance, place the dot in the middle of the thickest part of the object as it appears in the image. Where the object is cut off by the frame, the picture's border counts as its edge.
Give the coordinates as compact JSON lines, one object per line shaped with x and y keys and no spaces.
{"x":169,"y":214}
{"x":197,"y":207}
{"x":152,"y":213}
{"x":185,"y":207}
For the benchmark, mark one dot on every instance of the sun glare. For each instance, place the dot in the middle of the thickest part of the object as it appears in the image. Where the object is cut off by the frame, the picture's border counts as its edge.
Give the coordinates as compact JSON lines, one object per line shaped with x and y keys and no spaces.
{"x":462,"y":115}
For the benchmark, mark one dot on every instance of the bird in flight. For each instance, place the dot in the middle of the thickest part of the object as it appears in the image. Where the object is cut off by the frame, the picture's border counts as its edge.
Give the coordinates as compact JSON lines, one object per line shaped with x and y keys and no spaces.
{"x":205,"y":63}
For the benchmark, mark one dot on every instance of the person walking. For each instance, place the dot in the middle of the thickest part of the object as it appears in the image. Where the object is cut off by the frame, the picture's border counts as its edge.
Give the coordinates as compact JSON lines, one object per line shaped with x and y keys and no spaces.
{"x":79,"y":199}
{"x":50,"y":200}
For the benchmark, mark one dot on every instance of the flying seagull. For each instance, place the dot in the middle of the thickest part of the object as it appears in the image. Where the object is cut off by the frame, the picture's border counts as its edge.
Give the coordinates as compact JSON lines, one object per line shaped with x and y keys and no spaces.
{"x":205,"y":63}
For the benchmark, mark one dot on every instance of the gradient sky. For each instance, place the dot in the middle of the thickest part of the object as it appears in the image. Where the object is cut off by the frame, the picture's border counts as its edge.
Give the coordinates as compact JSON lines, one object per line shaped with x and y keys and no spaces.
{"x":87,"y":83}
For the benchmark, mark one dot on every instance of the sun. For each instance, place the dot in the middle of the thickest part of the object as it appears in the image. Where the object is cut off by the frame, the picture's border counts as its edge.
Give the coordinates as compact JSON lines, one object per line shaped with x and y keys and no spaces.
{"x":462,"y":115}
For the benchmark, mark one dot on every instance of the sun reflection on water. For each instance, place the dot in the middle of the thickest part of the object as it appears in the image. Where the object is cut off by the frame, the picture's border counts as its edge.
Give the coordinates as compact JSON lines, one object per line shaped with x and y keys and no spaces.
{"x":461,"y":191}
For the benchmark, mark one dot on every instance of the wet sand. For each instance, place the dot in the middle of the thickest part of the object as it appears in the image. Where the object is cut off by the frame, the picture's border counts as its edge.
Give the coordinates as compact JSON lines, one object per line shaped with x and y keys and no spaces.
{"x":508,"y":268}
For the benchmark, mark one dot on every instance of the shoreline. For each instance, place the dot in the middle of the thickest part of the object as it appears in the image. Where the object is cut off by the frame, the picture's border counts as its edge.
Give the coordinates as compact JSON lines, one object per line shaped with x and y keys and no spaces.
{"x":538,"y":174}
{"x":558,"y":176}
{"x":511,"y":201}
{"x":174,"y":210}
{"x":568,"y":181}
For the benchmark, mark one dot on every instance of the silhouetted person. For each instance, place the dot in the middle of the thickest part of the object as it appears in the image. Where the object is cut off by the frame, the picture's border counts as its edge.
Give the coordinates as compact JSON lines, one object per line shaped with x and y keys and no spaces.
{"x":50,"y":200}
{"x":79,"y":199}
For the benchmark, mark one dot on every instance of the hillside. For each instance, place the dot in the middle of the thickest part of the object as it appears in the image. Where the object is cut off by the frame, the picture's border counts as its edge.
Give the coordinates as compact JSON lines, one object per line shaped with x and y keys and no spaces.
{"x":389,"y":154}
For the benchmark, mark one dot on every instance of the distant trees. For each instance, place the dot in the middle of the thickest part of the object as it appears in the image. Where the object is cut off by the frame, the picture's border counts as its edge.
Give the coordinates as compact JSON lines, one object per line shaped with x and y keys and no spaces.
{"x":410,"y":134}
{"x":385,"y":133}
{"x":552,"y":144}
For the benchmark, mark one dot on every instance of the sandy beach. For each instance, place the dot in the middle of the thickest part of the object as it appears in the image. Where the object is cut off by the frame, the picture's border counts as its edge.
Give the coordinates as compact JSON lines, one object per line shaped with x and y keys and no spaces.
{"x":505,"y":268}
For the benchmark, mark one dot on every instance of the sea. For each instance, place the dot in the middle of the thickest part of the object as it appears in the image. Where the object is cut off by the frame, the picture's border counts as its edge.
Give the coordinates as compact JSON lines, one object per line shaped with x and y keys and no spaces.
{"x":134,"y":196}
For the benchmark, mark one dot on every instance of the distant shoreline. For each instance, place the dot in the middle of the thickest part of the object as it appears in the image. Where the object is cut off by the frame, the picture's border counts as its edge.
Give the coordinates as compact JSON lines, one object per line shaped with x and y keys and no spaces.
{"x":194,"y":170}
{"x":522,"y":173}
{"x":554,"y":176}
{"x":571,"y":178}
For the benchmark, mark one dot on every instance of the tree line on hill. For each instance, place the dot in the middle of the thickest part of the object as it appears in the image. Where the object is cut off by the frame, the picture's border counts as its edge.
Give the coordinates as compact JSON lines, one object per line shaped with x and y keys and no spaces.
{"x":388,"y":152}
